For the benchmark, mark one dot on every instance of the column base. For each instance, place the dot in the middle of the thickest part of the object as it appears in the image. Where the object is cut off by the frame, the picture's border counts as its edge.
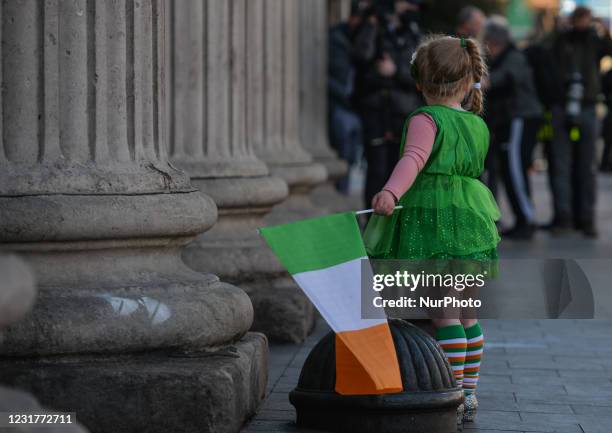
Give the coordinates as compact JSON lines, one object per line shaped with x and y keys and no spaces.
{"x":156,"y":392}
{"x":326,"y":196}
{"x":336,"y":167}
{"x":300,"y":177}
{"x":282,"y":311}
{"x":233,"y":249}
{"x":297,"y":207}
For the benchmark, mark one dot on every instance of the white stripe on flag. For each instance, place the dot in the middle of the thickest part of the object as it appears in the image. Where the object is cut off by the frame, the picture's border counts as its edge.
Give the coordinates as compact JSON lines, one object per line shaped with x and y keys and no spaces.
{"x":336,"y":292}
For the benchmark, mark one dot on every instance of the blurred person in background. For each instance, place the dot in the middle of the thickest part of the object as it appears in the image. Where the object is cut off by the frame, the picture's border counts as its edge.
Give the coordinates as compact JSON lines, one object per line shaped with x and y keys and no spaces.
{"x":344,"y":124}
{"x":385,"y":91}
{"x":513,"y":114}
{"x":606,"y":88}
{"x":550,"y":92}
{"x":577,"y":53}
{"x":470,"y":22}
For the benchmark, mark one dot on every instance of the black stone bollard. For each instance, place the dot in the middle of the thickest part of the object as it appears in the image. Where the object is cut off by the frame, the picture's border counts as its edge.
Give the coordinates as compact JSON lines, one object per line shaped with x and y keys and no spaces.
{"x":428,"y":403}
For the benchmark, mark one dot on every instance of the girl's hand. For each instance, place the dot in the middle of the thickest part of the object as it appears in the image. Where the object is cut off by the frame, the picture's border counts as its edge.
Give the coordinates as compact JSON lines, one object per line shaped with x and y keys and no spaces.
{"x":383,"y":203}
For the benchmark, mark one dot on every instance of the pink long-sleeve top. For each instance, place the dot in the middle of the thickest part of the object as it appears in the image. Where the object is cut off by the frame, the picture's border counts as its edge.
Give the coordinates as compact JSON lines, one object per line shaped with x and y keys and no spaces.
{"x":420,"y":138}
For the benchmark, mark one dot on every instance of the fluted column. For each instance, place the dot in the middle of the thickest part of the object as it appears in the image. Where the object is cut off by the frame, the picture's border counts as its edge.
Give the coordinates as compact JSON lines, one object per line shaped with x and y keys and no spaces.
{"x":338,"y":10}
{"x":88,"y":197}
{"x":313,"y":86}
{"x":209,"y":125}
{"x":273,"y":82}
{"x":221,"y":110}
{"x":279,"y":144}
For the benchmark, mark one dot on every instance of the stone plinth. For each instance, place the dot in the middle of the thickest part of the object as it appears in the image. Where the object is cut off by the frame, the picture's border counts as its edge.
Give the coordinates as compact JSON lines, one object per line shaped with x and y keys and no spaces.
{"x":89,"y":199}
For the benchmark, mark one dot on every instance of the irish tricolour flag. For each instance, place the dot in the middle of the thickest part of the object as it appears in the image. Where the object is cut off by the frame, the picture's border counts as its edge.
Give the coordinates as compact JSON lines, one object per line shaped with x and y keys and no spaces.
{"x":324,"y":256}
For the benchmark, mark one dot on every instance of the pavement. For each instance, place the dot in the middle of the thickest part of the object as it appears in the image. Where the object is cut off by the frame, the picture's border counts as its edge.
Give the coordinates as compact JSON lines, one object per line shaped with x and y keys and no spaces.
{"x":538,"y":376}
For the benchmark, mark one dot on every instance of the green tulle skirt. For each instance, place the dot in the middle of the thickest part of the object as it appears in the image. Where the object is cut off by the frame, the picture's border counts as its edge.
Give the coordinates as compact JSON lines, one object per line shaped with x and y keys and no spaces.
{"x":443,"y":218}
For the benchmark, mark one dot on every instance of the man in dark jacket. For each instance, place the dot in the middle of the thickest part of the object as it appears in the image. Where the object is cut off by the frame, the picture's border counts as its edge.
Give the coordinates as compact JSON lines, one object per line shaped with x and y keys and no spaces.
{"x":577,"y":53}
{"x":606,"y":87}
{"x":385,"y":90}
{"x":550,"y":92}
{"x":513,"y":113}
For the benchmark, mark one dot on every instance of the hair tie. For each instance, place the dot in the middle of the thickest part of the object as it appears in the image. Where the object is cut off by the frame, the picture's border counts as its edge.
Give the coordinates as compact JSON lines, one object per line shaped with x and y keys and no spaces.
{"x":477,"y":86}
{"x":463,"y":43}
{"x":413,"y":67}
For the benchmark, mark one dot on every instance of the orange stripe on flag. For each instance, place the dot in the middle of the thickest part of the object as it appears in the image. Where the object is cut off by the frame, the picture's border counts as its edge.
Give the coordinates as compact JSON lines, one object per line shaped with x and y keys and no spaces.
{"x":366,"y":362}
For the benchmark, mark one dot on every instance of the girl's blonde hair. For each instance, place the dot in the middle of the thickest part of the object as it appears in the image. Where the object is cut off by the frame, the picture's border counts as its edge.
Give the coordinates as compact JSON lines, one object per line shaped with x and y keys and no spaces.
{"x":444,"y":66}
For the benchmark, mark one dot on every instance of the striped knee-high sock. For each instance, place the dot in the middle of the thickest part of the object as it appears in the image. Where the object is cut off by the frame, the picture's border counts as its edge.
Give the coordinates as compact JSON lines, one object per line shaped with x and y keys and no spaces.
{"x":475,"y":345}
{"x":453,"y":341}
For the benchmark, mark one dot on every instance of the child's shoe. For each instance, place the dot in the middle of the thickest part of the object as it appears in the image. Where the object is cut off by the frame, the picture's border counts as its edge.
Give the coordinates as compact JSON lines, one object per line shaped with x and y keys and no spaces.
{"x":470,"y":408}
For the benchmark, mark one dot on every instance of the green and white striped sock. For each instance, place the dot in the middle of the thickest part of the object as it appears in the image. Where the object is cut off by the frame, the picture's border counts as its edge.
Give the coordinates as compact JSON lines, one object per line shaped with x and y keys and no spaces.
{"x":475,"y":345}
{"x":453,"y":341}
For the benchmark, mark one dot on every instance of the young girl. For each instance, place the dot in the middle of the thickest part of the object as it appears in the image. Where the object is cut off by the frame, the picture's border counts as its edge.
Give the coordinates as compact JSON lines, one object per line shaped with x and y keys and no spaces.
{"x":447,"y":212}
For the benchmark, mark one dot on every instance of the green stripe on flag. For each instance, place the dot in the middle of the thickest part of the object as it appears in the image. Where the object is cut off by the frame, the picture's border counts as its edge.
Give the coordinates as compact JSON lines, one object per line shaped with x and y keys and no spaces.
{"x":316,"y":243}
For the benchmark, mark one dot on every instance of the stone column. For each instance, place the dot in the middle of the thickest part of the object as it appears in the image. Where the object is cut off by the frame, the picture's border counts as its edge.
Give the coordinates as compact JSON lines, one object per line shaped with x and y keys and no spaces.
{"x":276,"y":78}
{"x":313,"y":86}
{"x":313,"y":104}
{"x":217,"y":116}
{"x":338,"y":10}
{"x":123,"y":332}
{"x":209,"y":128}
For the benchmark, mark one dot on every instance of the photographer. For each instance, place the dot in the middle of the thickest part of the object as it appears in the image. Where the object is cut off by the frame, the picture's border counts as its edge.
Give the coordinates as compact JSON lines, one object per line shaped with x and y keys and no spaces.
{"x":577,"y":52}
{"x":385,"y":92}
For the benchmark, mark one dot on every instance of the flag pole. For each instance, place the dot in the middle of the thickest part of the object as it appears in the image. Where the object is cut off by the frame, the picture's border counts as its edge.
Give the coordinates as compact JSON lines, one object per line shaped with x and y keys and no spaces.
{"x":361,"y":212}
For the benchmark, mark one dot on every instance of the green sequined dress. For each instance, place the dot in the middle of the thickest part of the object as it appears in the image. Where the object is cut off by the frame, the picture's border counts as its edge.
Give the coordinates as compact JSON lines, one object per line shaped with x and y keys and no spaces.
{"x":447,"y":213}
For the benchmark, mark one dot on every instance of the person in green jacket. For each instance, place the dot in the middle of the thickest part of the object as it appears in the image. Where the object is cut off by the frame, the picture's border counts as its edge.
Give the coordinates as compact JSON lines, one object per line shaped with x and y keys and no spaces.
{"x":447,"y":212}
